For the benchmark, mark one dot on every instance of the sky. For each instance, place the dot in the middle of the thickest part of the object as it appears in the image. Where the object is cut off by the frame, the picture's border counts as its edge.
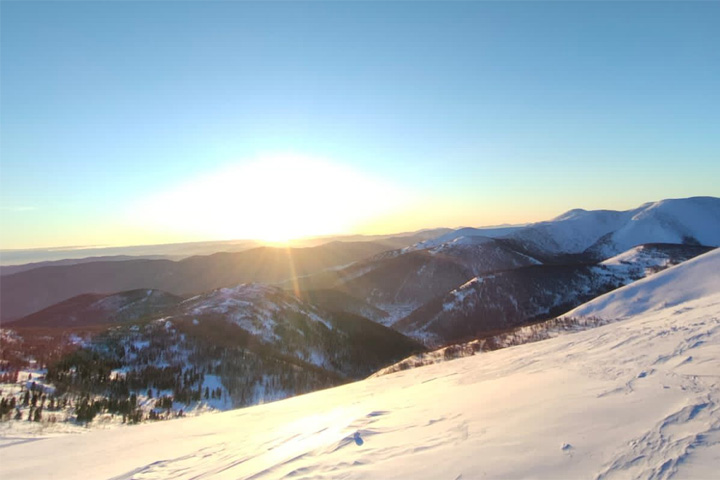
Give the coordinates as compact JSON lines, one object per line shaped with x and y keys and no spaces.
{"x":165,"y":121}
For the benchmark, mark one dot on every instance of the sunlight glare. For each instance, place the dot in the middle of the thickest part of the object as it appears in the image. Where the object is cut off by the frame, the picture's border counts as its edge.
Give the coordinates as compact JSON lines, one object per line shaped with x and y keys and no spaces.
{"x":275,"y":199}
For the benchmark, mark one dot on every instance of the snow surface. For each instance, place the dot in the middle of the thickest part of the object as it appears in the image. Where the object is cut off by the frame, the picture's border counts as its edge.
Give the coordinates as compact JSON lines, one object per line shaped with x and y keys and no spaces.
{"x":253,"y":307}
{"x":670,"y":221}
{"x":633,"y":399}
{"x":608,"y":232}
{"x":672,"y":287}
{"x":466,"y":235}
{"x":639,"y":257}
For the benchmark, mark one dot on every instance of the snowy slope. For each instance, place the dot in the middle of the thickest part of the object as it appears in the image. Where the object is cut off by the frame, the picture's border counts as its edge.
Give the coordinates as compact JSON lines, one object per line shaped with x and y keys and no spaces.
{"x":631,"y":399}
{"x":401,"y":284}
{"x":572,"y":232}
{"x":467,"y":233}
{"x":293,"y":327}
{"x":689,"y":220}
{"x":644,"y":260}
{"x":605,"y":233}
{"x":665,"y":290}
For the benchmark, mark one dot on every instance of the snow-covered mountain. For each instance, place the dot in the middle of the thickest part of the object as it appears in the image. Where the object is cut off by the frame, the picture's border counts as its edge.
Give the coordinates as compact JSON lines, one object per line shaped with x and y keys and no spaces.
{"x":426,"y":289}
{"x":637,"y":262}
{"x":636,"y":398}
{"x":604,"y":233}
{"x":401,"y":283}
{"x":693,"y":221}
{"x":30,"y":291}
{"x":494,"y":302}
{"x":465,"y":232}
{"x":498,"y":301}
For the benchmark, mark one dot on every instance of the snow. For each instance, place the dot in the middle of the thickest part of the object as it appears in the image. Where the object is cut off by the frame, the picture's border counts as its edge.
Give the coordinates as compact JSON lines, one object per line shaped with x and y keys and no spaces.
{"x":637,"y":398}
{"x":460,"y":293}
{"x":669,"y":221}
{"x":465,"y":236}
{"x":396,"y":311}
{"x":666,"y":221}
{"x":254,"y":307}
{"x":666,"y":289}
{"x":639,"y":257}
{"x":574,"y":231}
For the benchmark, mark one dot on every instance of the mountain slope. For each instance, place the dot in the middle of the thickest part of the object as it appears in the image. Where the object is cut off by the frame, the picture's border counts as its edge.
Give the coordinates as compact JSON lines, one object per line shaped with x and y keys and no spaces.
{"x":489,"y":303}
{"x":665,"y":290}
{"x":603,"y":233}
{"x":505,"y":299}
{"x":402,"y":282}
{"x":410,"y":281}
{"x":632,"y":399}
{"x":96,"y":309}
{"x":26,"y":292}
{"x":694,"y":221}
{"x":294,"y":328}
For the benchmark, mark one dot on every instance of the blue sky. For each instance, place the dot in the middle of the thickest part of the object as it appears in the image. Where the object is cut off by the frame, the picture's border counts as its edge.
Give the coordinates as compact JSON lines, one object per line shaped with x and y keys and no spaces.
{"x":463,"y":113}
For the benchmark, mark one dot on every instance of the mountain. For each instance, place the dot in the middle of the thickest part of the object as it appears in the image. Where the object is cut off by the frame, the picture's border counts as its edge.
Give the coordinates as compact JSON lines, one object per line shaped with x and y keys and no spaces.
{"x":465,"y":232}
{"x":599,"y":234}
{"x":395,"y":240}
{"x":494,"y":302}
{"x":66,"y":255}
{"x":637,"y":262}
{"x":529,"y":272}
{"x":279,"y":320}
{"x":268,"y":319}
{"x":97,"y":309}
{"x":690,"y":221}
{"x":603,"y":233}
{"x":498,"y":301}
{"x":15,"y":260}
{"x":337,"y":301}
{"x":26,"y":292}
{"x":10,"y":269}
{"x":400,"y":281}
{"x":631,"y":399}
{"x":143,"y":355}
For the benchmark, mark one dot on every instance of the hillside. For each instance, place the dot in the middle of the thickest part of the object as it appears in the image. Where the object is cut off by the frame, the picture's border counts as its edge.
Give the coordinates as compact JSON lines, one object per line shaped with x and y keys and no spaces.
{"x":694,"y":279}
{"x":30,"y":291}
{"x":501,"y":300}
{"x":97,"y":309}
{"x":141,"y":355}
{"x":600,"y":234}
{"x":473,"y":281}
{"x":632,"y":399}
{"x":400,"y":281}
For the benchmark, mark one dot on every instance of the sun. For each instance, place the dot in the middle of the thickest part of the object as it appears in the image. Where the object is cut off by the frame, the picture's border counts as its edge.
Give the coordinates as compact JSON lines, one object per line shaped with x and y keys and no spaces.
{"x":274,"y":199}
